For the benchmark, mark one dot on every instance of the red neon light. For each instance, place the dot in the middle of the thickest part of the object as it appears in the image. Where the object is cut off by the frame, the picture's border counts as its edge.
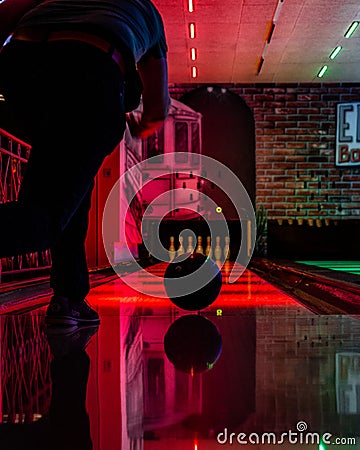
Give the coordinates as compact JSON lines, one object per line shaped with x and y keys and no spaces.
{"x":248,"y":291}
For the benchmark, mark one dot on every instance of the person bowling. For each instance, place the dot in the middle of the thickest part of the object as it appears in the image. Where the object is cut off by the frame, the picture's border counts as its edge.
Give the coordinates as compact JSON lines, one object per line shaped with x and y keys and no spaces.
{"x":71,"y":73}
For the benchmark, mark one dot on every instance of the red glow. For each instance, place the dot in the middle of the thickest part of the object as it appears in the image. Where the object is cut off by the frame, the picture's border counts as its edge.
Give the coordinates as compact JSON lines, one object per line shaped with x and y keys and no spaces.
{"x":248,"y":291}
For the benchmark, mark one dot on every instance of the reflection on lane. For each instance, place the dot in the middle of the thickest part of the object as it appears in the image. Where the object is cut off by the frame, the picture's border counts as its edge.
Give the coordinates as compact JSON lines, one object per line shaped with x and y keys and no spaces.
{"x":265,"y":369}
{"x":192,"y":344}
{"x":43,"y":385}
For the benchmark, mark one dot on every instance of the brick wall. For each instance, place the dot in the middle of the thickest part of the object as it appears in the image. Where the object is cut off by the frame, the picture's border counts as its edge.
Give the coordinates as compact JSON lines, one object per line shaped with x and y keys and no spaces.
{"x":295,"y":139}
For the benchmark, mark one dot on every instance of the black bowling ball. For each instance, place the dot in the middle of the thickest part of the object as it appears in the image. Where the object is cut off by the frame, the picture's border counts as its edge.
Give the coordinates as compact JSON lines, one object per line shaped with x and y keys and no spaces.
{"x":193,"y":344}
{"x":196,"y":292}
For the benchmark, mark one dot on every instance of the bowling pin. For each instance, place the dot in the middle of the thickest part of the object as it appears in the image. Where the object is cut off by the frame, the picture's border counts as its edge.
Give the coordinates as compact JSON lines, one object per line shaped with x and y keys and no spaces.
{"x":172,"y":250}
{"x":181,"y":249}
{"x":199,"y":248}
{"x":227,"y":248}
{"x":208,"y":251}
{"x":226,"y":271}
{"x":190,"y":247}
{"x":217,"y":250}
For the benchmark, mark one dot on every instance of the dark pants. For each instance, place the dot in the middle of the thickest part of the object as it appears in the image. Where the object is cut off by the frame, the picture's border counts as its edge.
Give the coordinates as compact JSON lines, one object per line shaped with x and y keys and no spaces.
{"x":66,"y":100}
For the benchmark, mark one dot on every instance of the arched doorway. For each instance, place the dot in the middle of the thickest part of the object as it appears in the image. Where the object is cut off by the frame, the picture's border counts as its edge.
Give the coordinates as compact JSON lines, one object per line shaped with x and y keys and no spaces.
{"x":228,"y":131}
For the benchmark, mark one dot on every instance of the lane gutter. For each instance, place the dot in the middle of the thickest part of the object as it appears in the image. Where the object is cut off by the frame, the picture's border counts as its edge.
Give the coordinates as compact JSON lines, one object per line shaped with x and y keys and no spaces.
{"x":25,"y":295}
{"x":320,"y":294}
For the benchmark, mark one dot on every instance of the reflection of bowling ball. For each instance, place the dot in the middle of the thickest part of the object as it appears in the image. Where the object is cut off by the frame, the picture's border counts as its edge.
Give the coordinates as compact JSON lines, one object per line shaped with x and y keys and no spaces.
{"x":193,"y":344}
{"x":194,"y":292}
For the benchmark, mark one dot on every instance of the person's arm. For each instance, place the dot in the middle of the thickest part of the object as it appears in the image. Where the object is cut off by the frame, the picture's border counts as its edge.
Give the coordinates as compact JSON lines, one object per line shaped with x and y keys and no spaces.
{"x":11,"y":12}
{"x":155,"y":97}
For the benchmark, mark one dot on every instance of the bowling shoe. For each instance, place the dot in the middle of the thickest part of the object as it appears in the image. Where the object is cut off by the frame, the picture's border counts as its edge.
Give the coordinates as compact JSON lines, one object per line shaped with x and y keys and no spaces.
{"x":62,"y":311}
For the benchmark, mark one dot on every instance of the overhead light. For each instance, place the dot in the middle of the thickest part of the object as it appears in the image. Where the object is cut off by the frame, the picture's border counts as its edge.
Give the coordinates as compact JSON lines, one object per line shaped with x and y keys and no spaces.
{"x":260,"y":64}
{"x":272,"y":28}
{"x":322,"y":71}
{"x":192,"y":30}
{"x":193,"y":54}
{"x":2,"y":98}
{"x":277,"y":10}
{"x":191,"y":5}
{"x":194,"y":73}
{"x":335,"y":52}
{"x":351,"y":29}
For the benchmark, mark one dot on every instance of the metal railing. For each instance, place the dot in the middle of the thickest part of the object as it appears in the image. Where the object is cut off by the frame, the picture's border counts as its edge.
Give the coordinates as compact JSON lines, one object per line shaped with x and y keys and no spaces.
{"x":14,"y":155}
{"x":25,"y":378}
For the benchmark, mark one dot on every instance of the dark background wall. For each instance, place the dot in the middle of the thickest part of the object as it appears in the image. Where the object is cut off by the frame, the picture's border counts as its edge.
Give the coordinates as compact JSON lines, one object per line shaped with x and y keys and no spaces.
{"x":228,"y":131}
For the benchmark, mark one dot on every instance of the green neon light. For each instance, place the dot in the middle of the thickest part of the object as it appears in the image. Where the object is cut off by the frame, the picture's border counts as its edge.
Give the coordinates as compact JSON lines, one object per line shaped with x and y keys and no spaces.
{"x":342,"y":266}
{"x":335,"y":52}
{"x":322,"y":71}
{"x":350,"y":31}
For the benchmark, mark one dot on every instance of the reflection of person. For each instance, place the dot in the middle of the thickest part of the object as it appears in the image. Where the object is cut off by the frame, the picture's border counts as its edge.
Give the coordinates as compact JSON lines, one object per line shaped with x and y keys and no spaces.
{"x":68,"y":421}
{"x":69,"y":73}
{"x":66,"y":426}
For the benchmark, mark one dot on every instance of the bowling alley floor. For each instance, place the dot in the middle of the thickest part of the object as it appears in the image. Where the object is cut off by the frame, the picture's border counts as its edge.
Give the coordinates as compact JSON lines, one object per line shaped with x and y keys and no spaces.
{"x":264,"y":366}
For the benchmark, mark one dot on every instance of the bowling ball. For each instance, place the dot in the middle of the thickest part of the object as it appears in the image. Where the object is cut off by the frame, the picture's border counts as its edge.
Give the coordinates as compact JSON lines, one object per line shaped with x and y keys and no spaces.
{"x":189,"y":290}
{"x":193,"y":344}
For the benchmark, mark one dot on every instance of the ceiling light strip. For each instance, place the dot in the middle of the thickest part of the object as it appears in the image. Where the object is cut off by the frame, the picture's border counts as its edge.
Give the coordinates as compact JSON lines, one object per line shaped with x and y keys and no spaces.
{"x":270,"y":34}
{"x":261,"y":62}
{"x":192,"y":30}
{"x":350,"y":31}
{"x":322,"y":71}
{"x":277,"y":10}
{"x":271,"y":31}
{"x":192,"y":35}
{"x":274,"y":20}
{"x":335,"y":52}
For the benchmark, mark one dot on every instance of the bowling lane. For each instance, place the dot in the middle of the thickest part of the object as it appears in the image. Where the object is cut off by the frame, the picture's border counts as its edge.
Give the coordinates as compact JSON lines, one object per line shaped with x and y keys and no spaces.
{"x":155,"y":377}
